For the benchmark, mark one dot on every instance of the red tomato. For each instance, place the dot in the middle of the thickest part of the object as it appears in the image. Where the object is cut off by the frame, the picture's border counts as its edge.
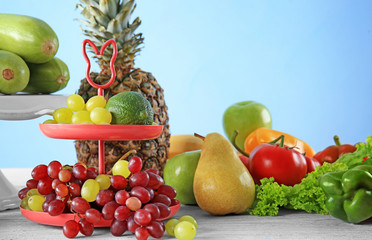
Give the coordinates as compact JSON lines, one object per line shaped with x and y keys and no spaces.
{"x":287,"y":166}
{"x":311,"y":163}
{"x":245,"y":160}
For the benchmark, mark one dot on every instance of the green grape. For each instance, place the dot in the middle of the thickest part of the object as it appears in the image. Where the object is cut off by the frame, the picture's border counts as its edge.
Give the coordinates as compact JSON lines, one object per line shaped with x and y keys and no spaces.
{"x":189,"y":219}
{"x":104,"y":123}
{"x":89,"y":190}
{"x":62,"y":115}
{"x":35,"y":202}
{"x":185,"y":230}
{"x":80,"y":116}
{"x":100,"y":114}
{"x":24,"y":203}
{"x":75,"y":102}
{"x":169,"y":227}
{"x":121,"y":168}
{"x":103,"y":181}
{"x":32,"y":192}
{"x":87,"y":122}
{"x":96,"y":101}
{"x":50,"y":121}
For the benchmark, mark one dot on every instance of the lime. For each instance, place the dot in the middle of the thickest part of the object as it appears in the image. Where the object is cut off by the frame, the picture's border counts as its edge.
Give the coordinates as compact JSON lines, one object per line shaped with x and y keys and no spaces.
{"x":130,"y":108}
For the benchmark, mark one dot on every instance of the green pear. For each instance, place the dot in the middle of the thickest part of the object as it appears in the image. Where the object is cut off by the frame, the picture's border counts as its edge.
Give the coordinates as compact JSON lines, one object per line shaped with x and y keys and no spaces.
{"x":222,"y":184}
{"x":179,"y":173}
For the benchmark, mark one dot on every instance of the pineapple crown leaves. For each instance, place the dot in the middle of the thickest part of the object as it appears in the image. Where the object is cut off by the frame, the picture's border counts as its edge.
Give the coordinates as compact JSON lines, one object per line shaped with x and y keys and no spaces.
{"x":110,"y":19}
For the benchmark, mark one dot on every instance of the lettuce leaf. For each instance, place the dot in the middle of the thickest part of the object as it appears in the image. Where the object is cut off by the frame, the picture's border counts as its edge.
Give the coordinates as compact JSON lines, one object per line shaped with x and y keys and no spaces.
{"x":357,"y":157}
{"x":306,"y":196}
{"x":269,"y":197}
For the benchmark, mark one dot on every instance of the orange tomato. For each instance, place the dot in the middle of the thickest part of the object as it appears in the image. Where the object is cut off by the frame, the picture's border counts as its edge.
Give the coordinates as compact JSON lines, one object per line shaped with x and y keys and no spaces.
{"x":266,"y":135}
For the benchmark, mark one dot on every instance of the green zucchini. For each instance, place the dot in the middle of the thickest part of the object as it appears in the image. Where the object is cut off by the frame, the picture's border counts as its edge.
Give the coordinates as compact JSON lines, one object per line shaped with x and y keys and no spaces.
{"x":14,"y":73}
{"x":30,"y":38}
{"x":47,"y":77}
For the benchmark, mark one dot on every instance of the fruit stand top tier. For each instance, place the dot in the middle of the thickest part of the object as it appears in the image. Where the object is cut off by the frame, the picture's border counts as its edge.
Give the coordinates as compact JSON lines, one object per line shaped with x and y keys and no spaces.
{"x":101,"y":132}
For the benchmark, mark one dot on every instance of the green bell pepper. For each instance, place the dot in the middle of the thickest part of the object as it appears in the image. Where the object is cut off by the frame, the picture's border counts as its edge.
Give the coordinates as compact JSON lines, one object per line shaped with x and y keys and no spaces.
{"x":349,"y":193}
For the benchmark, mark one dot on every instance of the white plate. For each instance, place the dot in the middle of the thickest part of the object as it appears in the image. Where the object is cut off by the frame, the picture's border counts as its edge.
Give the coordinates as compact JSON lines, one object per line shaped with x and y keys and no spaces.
{"x":26,"y":106}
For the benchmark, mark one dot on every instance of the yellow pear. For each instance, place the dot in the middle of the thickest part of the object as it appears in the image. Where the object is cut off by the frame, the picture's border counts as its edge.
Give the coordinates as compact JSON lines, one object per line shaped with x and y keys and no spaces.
{"x":222,"y":184}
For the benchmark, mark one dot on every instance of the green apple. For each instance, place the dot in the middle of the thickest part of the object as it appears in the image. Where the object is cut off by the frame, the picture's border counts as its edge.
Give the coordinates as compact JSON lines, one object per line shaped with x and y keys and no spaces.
{"x":245,"y":117}
{"x":179,"y":173}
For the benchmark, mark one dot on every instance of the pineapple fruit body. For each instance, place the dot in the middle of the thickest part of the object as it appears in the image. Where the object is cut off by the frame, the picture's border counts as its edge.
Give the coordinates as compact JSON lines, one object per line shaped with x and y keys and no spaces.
{"x":110,"y":19}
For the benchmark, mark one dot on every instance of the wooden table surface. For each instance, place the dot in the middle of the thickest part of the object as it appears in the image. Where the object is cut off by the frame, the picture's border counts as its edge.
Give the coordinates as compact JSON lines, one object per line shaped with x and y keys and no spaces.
{"x":288,"y":225}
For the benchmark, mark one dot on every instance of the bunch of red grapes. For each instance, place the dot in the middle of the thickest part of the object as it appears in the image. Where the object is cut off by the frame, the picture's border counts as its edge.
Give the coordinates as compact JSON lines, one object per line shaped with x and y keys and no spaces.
{"x":135,"y":204}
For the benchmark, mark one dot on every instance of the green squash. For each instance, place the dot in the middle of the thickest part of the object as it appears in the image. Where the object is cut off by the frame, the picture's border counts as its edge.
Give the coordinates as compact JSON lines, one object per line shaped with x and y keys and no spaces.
{"x":47,"y":77}
{"x":30,"y":38}
{"x":14,"y":73}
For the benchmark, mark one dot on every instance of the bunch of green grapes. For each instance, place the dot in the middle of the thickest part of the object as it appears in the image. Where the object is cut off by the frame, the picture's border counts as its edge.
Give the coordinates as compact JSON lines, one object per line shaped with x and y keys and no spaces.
{"x":183,"y":228}
{"x":79,"y":112}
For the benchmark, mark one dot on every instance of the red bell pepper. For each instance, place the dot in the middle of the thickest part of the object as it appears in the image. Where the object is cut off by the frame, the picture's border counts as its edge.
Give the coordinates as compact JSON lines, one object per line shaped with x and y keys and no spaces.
{"x":333,"y":152}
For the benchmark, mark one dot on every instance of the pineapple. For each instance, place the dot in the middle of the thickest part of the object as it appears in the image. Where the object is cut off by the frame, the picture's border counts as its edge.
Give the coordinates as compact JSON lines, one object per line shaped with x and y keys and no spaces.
{"x":110,"y":19}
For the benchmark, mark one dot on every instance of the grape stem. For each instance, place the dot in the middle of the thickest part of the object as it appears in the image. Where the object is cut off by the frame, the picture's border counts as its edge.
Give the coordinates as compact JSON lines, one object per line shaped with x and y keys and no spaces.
{"x":127,"y":154}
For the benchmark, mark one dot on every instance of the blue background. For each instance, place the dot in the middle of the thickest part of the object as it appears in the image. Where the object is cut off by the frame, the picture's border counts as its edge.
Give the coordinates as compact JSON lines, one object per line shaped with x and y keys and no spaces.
{"x":309,"y":62}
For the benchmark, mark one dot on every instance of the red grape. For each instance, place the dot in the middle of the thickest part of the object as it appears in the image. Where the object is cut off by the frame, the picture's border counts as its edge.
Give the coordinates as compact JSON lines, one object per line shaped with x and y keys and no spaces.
{"x":161,"y":198}
{"x":152,"y":170}
{"x":53,"y":169}
{"x":152,"y":193}
{"x":155,"y":181}
{"x":153,"y":210}
{"x":80,"y":205}
{"x":167,"y":190}
{"x":135,"y":164}
{"x":51,"y":196}
{"x":132,"y":225}
{"x":164,"y":209}
{"x":104,"y":196}
{"x":71,"y":229}
{"x":85,"y":227}
{"x":121,"y":197}
{"x":23,"y":193}
{"x":133,"y":203}
{"x":64,"y":175}
{"x":92,"y":173}
{"x":79,"y":171}
{"x":61,"y":190}
{"x":141,"y":233}
{"x":139,"y":179}
{"x":56,"y":207}
{"x":76,"y":180}
{"x":55,"y":183}
{"x":142,"y":217}
{"x":108,"y":210}
{"x":74,"y":189}
{"x":44,"y":186}
{"x":118,"y":182}
{"x":80,"y":164}
{"x":174,"y":202}
{"x":141,"y":193}
{"x":45,"y":206}
{"x":32,"y":183}
{"x":93,"y":169}
{"x":39,"y":172}
{"x":117,"y":227}
{"x":93,"y":215}
{"x":155,"y":229}
{"x":122,"y":213}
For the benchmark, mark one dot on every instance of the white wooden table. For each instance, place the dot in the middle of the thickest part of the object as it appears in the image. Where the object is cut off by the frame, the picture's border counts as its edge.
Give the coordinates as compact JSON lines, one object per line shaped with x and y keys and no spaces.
{"x":288,"y":225}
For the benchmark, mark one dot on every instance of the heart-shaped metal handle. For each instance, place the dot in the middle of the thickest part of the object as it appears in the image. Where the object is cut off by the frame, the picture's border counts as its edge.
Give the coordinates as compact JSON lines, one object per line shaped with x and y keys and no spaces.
{"x":112,"y":61}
